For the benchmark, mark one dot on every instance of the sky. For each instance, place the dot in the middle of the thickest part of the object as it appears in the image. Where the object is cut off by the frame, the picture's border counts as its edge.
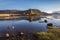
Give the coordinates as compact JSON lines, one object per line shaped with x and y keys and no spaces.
{"x":43,"y":5}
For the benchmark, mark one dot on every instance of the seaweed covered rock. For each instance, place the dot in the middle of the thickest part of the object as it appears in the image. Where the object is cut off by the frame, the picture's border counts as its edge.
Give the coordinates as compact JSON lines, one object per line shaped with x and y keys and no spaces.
{"x":49,"y":25}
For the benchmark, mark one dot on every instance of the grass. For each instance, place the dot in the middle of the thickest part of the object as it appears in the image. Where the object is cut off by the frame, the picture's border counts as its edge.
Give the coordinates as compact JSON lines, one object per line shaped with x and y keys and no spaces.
{"x":52,"y":34}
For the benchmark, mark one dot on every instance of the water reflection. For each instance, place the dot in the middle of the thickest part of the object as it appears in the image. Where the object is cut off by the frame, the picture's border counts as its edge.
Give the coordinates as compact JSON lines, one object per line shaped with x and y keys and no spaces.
{"x":22,"y":25}
{"x":12,"y":28}
{"x":26,"y":26}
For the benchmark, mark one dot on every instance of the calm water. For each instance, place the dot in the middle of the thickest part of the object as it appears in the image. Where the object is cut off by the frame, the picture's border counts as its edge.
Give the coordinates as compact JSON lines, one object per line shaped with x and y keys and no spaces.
{"x":26,"y":26}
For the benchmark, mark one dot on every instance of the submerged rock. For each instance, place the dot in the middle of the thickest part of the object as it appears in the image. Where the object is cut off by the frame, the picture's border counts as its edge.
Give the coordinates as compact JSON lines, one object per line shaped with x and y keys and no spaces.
{"x":49,"y":25}
{"x":45,"y":21}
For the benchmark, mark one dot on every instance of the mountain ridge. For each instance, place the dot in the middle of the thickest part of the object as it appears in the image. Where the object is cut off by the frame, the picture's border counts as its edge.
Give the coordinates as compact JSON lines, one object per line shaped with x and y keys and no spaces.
{"x":31,"y":11}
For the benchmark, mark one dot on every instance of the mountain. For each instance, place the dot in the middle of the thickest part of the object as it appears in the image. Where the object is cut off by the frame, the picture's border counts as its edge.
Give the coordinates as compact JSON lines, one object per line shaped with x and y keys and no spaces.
{"x":56,"y":14}
{"x":30,"y":14}
{"x":17,"y":11}
{"x":46,"y":14}
{"x":24,"y":12}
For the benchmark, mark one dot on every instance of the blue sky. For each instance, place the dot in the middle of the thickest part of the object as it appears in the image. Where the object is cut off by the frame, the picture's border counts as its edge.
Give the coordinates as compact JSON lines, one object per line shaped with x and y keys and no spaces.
{"x":43,"y":5}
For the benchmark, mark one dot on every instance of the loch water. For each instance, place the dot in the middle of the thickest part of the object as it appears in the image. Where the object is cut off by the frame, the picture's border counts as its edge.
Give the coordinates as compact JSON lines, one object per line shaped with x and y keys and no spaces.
{"x":26,"y":25}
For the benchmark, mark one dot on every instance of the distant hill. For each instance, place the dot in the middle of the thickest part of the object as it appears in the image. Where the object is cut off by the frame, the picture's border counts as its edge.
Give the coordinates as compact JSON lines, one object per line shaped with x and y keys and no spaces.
{"x":56,"y":14}
{"x":8,"y":11}
{"x":24,"y":12}
{"x":46,"y":14}
{"x":30,"y":14}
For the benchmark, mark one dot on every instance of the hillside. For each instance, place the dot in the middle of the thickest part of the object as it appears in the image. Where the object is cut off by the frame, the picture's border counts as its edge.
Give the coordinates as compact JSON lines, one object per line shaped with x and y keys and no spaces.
{"x":30,"y":14}
{"x":25,"y":12}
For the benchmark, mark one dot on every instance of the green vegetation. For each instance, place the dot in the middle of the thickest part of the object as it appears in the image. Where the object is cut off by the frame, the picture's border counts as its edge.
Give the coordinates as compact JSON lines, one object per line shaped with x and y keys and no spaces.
{"x":52,"y":34}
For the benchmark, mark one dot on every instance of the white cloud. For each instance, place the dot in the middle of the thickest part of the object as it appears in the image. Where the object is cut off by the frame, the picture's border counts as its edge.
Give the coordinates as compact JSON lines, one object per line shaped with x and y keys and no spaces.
{"x":48,"y":11}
